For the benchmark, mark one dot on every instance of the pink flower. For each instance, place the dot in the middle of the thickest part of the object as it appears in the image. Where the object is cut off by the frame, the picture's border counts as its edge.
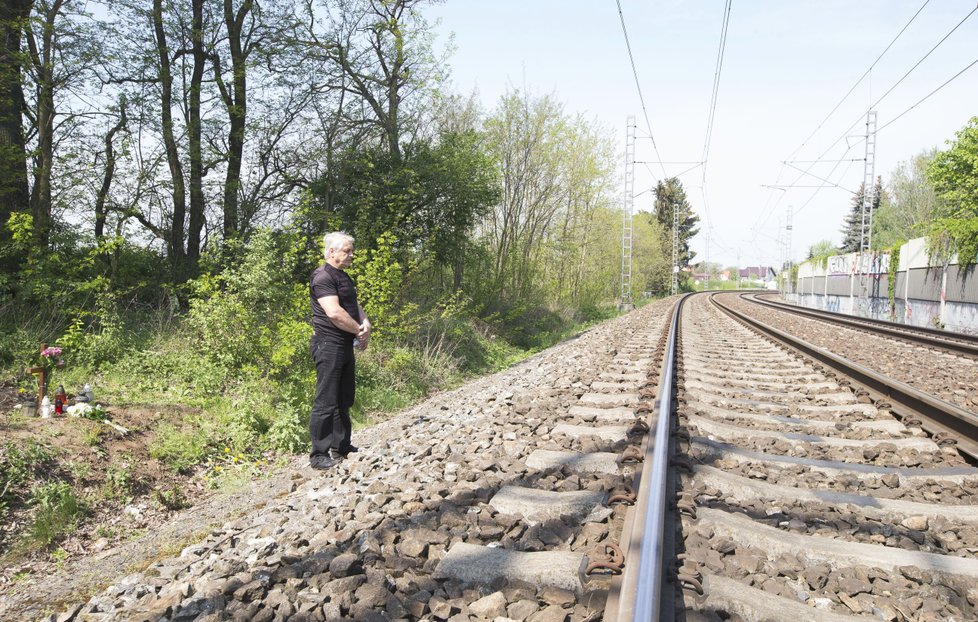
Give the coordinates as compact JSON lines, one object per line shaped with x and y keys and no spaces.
{"x":51,"y":352}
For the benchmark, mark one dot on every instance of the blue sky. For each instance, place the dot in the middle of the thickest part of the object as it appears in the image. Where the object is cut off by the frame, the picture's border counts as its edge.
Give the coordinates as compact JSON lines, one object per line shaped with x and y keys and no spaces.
{"x":786,"y":66}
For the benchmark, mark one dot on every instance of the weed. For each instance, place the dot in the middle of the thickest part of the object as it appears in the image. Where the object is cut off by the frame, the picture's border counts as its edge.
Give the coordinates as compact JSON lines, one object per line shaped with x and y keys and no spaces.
{"x":119,"y":481}
{"x":93,"y":433}
{"x":171,"y":498}
{"x":105,"y":531}
{"x":59,"y":556}
{"x":178,"y":447}
{"x":57,"y":511}
{"x":79,"y":471}
{"x":18,"y":465}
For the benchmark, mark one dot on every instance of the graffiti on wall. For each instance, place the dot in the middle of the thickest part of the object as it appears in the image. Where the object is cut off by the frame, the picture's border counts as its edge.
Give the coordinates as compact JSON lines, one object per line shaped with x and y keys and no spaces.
{"x":859,"y":263}
{"x":878,"y":308}
{"x":832,"y":303}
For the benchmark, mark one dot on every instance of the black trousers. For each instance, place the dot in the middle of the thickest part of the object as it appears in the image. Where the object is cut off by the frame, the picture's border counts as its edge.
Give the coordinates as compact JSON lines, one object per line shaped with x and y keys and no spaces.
{"x":329,"y":423}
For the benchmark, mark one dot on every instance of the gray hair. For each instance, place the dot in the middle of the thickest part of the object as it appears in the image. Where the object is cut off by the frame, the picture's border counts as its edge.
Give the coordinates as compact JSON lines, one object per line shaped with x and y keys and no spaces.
{"x":335,"y":240}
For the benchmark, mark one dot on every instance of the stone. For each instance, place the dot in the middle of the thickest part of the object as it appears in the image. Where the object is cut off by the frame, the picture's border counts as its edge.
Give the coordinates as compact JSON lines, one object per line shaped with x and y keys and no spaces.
{"x":441,"y":609}
{"x":557,"y":596}
{"x":372,"y":596}
{"x":522,"y":609}
{"x":553,"y":613}
{"x":345,"y":565}
{"x":491,"y":606}
{"x":916,"y":523}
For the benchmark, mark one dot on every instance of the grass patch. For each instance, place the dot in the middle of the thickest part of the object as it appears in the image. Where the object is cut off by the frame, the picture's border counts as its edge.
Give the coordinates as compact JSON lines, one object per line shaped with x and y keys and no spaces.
{"x":56,"y":512}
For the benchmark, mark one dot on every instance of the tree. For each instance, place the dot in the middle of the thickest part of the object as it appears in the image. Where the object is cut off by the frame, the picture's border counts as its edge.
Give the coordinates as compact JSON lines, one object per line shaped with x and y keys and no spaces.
{"x":670,"y":198}
{"x":908,"y":205}
{"x":526,"y":137}
{"x":852,"y":229}
{"x":13,"y":154}
{"x":383,"y":56}
{"x":822,"y":249}
{"x":953,"y":173}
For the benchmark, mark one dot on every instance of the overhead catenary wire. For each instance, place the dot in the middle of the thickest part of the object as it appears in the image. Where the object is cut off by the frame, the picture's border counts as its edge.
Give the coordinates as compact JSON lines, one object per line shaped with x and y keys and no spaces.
{"x":859,"y":81}
{"x":764,"y":216}
{"x":716,"y":86}
{"x":925,"y":97}
{"x":638,"y":85}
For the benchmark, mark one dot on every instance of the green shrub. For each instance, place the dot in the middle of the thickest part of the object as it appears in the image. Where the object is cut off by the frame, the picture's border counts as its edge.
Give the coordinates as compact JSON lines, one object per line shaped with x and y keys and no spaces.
{"x":250,"y":318}
{"x":56,"y":512}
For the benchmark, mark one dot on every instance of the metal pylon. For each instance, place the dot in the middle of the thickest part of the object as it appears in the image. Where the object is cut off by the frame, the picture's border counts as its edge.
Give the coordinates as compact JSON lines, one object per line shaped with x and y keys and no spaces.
{"x":869,"y":183}
{"x":626,"y":227}
{"x":674,"y":283}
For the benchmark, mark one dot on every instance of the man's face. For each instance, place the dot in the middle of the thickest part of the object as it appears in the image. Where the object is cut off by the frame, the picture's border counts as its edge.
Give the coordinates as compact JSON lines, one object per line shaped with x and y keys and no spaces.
{"x":341,"y":257}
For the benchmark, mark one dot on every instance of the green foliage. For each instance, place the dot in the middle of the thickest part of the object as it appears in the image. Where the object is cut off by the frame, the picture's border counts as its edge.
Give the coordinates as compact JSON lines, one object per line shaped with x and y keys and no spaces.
{"x":119,"y":481}
{"x":250,"y":318}
{"x":891,"y":281}
{"x":179,"y":447}
{"x":821,"y":251}
{"x":19,"y":463}
{"x":56,"y":512}
{"x":172,"y":498}
{"x":378,"y":277}
{"x":953,"y":236}
{"x":954,"y":174}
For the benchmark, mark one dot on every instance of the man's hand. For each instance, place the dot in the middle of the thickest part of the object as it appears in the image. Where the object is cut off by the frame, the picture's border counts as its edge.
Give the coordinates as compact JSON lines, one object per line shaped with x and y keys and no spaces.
{"x":363,"y":336}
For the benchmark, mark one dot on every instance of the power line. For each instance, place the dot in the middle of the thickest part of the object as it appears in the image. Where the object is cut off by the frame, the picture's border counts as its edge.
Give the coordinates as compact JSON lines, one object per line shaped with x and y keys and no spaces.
{"x":902,"y":78}
{"x":874,"y":105}
{"x":972,"y":64}
{"x":859,"y":81}
{"x":716,"y":86}
{"x":638,"y":86}
{"x":766,"y":213}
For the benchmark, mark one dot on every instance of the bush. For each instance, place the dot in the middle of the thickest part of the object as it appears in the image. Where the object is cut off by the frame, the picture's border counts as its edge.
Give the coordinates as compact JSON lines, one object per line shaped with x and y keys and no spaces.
{"x":250,"y":319}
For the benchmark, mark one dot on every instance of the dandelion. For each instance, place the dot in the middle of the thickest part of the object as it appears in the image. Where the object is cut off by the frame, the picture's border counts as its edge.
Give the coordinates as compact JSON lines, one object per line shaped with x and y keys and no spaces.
{"x":227,"y":450}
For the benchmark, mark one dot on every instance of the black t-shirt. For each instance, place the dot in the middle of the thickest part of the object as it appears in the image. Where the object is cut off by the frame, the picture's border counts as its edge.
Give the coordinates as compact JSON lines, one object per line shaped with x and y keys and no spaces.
{"x":329,"y":281}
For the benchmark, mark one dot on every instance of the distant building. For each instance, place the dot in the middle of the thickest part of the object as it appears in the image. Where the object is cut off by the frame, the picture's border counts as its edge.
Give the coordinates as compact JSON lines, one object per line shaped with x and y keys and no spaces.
{"x":757,"y":273}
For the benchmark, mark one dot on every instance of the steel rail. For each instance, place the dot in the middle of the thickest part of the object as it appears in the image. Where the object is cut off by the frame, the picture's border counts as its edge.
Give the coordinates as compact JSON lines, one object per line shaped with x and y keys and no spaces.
{"x":964,"y":344}
{"x":640,"y":590}
{"x":937,"y":416}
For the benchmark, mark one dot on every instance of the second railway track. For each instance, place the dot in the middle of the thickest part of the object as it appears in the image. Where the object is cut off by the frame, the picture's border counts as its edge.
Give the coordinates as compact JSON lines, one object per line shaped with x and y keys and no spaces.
{"x":805,"y":500}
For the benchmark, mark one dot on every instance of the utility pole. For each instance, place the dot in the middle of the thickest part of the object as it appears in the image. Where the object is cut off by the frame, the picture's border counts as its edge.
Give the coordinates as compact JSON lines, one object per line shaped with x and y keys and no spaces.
{"x":709,"y":230}
{"x":674,"y":285}
{"x":869,"y":183}
{"x":626,"y":228}
{"x":787,"y":235}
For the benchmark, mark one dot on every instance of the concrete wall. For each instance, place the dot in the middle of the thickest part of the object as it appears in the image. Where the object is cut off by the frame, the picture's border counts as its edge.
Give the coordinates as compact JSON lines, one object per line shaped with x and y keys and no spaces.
{"x":924,"y":295}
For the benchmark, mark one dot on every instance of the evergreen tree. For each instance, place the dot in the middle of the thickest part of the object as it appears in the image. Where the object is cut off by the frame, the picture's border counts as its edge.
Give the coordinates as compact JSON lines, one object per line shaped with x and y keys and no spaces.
{"x":669,"y":197}
{"x":852,"y":227}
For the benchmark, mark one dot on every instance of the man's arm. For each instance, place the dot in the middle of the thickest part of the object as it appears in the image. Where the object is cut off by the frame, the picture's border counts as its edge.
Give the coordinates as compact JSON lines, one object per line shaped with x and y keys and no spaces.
{"x":364,"y":335}
{"x":338,"y":315}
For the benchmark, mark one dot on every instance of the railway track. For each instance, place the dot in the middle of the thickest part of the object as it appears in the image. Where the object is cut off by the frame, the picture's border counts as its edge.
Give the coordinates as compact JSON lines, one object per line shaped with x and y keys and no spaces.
{"x":931,"y":337}
{"x":762,"y":486}
{"x":807,"y":500}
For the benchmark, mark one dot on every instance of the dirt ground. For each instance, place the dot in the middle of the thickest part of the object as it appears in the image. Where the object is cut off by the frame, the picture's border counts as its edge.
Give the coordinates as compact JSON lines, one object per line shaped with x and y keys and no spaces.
{"x":120,"y":483}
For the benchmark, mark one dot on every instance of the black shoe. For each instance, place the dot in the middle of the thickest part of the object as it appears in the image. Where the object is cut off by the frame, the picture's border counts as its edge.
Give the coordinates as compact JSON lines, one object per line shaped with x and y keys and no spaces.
{"x":321,"y":463}
{"x":349,"y":449}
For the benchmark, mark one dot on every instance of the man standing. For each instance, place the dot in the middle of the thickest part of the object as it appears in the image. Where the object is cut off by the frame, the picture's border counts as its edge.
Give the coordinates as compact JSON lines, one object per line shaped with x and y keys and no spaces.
{"x":337,"y":320}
